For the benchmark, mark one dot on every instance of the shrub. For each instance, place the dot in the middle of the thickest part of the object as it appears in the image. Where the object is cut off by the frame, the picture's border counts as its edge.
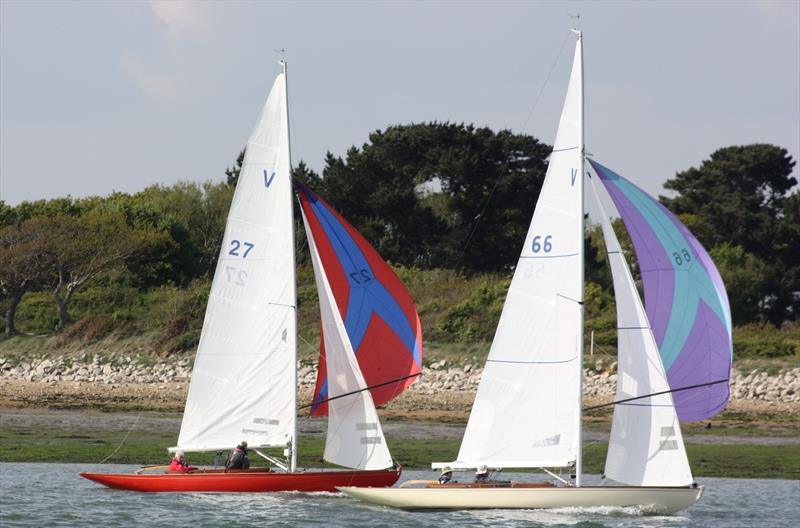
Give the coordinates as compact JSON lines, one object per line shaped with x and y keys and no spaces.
{"x":475,"y":318}
{"x":93,"y":328}
{"x":766,"y":341}
{"x":181,"y":330}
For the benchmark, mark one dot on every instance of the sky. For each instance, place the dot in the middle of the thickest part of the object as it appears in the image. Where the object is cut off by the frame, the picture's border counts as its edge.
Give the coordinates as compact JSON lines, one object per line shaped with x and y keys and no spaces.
{"x":97,"y":97}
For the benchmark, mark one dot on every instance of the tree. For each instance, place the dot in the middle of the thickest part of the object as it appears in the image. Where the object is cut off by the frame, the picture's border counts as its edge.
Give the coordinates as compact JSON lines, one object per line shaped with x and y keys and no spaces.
{"x":197,"y":215}
{"x":493,"y":182}
{"x":83,"y":247}
{"x":790,"y":228}
{"x":25,"y":266}
{"x":49,"y":208}
{"x":740,"y":197}
{"x":740,"y":193}
{"x":747,"y":279}
{"x":440,"y":194}
{"x":7,"y":214}
{"x":232,"y":173}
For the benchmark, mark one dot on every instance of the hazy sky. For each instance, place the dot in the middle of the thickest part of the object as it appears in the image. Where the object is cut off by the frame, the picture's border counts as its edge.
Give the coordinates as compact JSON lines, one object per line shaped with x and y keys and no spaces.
{"x":102,"y":96}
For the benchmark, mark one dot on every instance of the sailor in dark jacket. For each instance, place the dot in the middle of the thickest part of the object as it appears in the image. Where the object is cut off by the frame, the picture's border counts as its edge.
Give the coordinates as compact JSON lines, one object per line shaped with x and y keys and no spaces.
{"x":238,"y":458}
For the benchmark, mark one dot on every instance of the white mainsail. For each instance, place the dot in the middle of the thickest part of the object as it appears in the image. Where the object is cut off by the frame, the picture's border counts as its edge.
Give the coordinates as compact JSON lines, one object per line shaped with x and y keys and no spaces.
{"x":243,"y":382}
{"x":527,"y":409}
{"x":355,"y":437}
{"x":646,"y":446}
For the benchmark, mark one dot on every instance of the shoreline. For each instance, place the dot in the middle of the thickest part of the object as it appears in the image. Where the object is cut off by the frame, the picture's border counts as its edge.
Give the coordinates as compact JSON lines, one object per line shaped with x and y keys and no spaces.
{"x":443,"y":404}
{"x":91,"y":436}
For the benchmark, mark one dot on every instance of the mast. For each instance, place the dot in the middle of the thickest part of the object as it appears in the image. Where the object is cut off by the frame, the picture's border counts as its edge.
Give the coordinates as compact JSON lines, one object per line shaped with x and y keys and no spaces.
{"x":579,"y":440}
{"x":293,"y":447}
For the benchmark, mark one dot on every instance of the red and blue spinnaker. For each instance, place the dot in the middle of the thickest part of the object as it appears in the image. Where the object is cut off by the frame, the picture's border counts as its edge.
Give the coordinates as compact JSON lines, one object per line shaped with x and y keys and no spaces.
{"x":685,"y":300}
{"x":378,"y":313}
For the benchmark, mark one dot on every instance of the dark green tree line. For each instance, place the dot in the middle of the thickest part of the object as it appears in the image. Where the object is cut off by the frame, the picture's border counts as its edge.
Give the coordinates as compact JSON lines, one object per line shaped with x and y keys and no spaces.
{"x":440,"y":194}
{"x":436,"y":195}
{"x":740,"y":206}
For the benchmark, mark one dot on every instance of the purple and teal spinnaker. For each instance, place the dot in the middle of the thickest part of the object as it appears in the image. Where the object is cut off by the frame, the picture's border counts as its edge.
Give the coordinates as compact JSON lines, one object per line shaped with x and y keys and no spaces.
{"x":685,"y":299}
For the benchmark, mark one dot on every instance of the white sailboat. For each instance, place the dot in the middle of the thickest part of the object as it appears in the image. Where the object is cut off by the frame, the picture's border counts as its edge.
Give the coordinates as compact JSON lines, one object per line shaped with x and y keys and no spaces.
{"x":244,"y":382}
{"x":528,"y":408}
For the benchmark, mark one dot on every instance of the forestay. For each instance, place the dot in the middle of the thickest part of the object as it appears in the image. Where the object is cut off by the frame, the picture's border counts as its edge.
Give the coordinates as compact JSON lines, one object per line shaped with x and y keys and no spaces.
{"x":686,"y":301}
{"x":355,"y":438}
{"x":646,"y":446}
{"x":526,"y":412}
{"x":243,"y":379}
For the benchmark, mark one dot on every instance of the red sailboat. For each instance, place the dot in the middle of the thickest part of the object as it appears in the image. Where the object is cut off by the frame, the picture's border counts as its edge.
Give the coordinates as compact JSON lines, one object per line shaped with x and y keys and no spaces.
{"x":244,"y":382}
{"x":247,"y":481}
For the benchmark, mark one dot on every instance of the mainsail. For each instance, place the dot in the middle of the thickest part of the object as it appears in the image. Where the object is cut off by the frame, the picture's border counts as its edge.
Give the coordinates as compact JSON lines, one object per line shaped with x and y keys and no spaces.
{"x":378,"y":314}
{"x":646,"y":445}
{"x":686,"y":301}
{"x":536,"y":352}
{"x":243,"y":379}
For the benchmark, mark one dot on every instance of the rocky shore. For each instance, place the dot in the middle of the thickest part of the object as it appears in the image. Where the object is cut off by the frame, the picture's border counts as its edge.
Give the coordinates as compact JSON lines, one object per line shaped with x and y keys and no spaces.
{"x":599,"y":382}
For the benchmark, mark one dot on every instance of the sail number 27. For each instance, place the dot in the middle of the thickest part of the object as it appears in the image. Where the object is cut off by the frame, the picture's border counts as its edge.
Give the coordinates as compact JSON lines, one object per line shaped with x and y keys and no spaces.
{"x":238,"y":249}
{"x":361,"y":276}
{"x":539,"y":244}
{"x":236,"y":246}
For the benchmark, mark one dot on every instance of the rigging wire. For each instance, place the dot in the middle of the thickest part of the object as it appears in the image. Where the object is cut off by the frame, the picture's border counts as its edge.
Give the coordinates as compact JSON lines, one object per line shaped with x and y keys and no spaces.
{"x":546,"y":80}
{"x":477,"y":219}
{"x":626,"y":400}
{"x":123,"y":438}
{"x":361,"y":390}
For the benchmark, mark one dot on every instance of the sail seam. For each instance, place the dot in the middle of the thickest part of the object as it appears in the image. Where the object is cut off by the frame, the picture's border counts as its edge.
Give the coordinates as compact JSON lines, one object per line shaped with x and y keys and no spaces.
{"x":546,"y":256}
{"x":530,"y":362}
{"x":237,"y":301}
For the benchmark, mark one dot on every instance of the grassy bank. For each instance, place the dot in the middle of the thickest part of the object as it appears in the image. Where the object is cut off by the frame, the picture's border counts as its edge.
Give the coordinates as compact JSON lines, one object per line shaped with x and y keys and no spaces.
{"x":458,"y":313}
{"x":19,"y":443}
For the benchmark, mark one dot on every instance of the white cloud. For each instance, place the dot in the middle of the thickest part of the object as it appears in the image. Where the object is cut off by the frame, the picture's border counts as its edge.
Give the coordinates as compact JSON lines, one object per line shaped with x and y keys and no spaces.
{"x":155,"y":85}
{"x":182,"y":17}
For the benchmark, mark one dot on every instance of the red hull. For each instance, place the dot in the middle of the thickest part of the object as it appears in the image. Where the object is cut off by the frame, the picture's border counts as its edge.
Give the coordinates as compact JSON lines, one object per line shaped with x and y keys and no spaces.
{"x":247,"y":481}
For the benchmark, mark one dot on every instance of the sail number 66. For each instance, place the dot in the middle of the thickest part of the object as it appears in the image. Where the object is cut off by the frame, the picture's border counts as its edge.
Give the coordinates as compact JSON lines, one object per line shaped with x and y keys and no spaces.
{"x":683,"y":256}
{"x":539,"y":244}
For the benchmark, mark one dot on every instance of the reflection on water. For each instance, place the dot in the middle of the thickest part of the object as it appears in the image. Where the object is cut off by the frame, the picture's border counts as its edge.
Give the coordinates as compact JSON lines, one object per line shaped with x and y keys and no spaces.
{"x":54,"y":495}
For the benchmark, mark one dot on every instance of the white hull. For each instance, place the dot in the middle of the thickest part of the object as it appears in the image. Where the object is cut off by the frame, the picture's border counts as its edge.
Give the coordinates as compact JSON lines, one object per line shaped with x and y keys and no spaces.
{"x":650,"y":499}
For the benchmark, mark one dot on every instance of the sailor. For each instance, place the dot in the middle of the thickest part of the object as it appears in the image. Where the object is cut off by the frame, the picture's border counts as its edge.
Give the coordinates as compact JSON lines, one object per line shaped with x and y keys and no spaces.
{"x":482,"y":474}
{"x":179,"y":464}
{"x":238,"y":458}
{"x":446,"y":475}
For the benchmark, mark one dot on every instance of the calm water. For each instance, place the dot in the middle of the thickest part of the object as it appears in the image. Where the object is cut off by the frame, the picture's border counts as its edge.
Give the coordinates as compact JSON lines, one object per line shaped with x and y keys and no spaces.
{"x":34,"y":495}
